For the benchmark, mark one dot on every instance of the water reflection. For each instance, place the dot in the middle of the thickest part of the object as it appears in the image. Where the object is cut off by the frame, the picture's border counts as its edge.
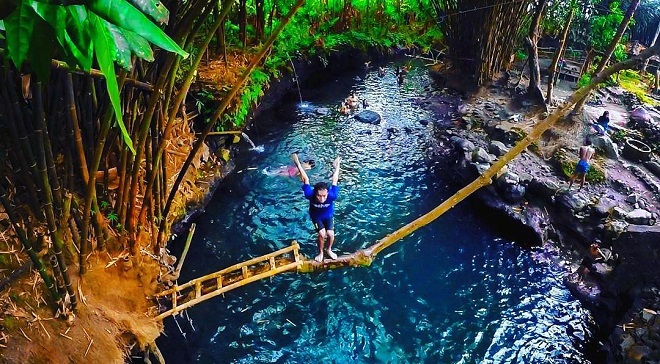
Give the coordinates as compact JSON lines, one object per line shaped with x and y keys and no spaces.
{"x":453,"y":292}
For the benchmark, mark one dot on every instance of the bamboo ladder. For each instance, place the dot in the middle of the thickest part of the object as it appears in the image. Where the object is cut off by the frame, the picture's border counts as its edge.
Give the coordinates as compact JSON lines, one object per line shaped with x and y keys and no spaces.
{"x":214,"y":284}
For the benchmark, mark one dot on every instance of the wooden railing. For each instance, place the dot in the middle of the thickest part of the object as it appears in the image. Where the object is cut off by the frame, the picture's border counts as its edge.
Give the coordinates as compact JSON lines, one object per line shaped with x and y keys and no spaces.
{"x":181,"y":297}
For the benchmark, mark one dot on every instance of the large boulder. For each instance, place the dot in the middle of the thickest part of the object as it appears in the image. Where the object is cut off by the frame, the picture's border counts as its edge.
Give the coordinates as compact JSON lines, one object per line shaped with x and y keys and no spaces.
{"x":604,"y":143}
{"x":368,"y":116}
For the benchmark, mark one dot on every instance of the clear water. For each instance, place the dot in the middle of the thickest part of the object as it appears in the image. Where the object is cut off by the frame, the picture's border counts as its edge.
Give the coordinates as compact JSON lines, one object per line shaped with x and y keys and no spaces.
{"x":452,"y":292}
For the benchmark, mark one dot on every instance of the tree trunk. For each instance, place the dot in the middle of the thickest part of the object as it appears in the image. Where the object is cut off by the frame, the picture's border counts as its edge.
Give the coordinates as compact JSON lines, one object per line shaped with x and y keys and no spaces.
{"x":560,"y":50}
{"x":587,"y":61}
{"x":610,"y":49}
{"x":534,"y":87}
{"x":260,"y":22}
{"x":242,"y":22}
{"x":657,"y":81}
{"x":655,"y":39}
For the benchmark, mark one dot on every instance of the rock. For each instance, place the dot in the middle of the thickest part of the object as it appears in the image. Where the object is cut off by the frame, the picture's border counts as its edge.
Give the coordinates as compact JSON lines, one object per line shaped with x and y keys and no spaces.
{"x":654,"y":167}
{"x":640,"y":114}
{"x":497,"y":148}
{"x":368,"y":116}
{"x":506,"y":179}
{"x":424,"y":122}
{"x":605,"y":143}
{"x":604,"y":206}
{"x":619,"y":213}
{"x":640,"y":217}
{"x":479,"y":168}
{"x":462,"y":144}
{"x":543,"y":187}
{"x":322,"y":111}
{"x":479,"y":155}
{"x":514,"y":193}
{"x":632,"y":198}
{"x":638,"y":353}
{"x":462,"y":109}
{"x":574,"y":201}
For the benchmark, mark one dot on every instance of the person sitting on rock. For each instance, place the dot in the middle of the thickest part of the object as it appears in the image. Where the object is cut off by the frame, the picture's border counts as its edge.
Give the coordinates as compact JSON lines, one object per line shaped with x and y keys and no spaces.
{"x":602,"y":125}
{"x":596,"y":255}
{"x":582,"y":166}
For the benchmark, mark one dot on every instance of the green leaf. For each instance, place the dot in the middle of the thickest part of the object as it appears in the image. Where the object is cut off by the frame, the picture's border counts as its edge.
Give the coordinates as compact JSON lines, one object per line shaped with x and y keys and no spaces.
{"x":139,"y":46}
{"x":20,"y":25}
{"x":124,"y":15}
{"x":154,"y":8}
{"x":42,"y":48}
{"x":104,"y":50}
{"x":122,"y":47}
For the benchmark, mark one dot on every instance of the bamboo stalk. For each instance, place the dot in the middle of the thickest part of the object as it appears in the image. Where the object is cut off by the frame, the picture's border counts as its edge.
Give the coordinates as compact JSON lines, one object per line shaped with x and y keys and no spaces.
{"x":59,"y":65}
{"x":220,"y":111}
{"x":58,"y":244}
{"x":90,"y":196}
{"x":37,"y":263}
{"x":21,"y":168}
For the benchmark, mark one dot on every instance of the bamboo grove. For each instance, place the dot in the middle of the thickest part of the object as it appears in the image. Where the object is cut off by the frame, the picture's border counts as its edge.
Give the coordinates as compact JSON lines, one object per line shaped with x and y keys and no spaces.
{"x":96,"y":146}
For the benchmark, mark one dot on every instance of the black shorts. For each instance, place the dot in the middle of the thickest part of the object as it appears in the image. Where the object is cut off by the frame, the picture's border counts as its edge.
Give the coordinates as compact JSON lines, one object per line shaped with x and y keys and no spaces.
{"x":327,"y":224}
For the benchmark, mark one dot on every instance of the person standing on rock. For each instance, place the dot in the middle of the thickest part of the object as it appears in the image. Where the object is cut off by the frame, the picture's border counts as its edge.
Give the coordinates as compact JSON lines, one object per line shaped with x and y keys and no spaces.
{"x":321,"y":207}
{"x":582,"y":166}
{"x":602,"y":125}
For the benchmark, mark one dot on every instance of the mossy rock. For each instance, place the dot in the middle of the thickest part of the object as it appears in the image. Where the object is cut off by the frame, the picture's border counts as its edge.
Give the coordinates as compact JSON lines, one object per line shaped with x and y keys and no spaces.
{"x":517,"y":134}
{"x":566,"y":162}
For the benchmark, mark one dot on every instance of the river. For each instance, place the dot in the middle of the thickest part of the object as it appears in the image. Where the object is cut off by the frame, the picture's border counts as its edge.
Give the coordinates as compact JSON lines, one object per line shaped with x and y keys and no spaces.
{"x":455,"y":291}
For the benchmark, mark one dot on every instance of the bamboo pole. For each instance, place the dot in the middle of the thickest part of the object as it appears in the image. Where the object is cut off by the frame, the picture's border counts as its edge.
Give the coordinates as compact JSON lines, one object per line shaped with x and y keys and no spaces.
{"x":21,"y":168}
{"x":58,"y":244}
{"x":220,"y":111}
{"x":37,"y":263}
{"x":90,"y":195}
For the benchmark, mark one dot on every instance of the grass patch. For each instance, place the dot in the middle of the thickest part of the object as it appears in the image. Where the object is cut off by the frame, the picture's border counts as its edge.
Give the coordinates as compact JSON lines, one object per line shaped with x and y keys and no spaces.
{"x":567,"y":162}
{"x":631,"y":81}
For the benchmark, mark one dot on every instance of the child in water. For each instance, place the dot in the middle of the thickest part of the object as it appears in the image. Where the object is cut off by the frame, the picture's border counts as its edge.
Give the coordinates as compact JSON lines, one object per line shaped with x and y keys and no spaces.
{"x":290,"y":171}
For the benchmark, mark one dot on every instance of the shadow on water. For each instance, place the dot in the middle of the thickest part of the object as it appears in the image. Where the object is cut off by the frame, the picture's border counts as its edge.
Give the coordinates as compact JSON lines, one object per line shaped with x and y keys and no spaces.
{"x":452,"y":292}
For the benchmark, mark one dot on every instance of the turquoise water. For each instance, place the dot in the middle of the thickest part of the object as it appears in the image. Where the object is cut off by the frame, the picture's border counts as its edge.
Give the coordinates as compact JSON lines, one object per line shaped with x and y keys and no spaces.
{"x":452,"y":292}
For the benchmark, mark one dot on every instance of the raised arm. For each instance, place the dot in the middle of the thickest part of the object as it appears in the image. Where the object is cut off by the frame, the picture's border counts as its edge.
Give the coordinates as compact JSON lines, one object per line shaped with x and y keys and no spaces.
{"x":335,"y":174}
{"x":301,"y":170}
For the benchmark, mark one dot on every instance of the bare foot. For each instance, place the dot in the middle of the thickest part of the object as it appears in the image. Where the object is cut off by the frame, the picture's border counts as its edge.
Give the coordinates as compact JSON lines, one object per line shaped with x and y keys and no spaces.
{"x":319,"y":258}
{"x":331,"y":254}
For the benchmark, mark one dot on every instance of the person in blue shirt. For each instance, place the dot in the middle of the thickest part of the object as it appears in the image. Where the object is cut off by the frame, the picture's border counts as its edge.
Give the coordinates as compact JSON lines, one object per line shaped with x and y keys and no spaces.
{"x":602,"y":125}
{"x":321,"y":206}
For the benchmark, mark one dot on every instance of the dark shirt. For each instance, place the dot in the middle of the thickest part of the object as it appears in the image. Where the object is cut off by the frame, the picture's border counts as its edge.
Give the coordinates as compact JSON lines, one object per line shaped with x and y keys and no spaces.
{"x":317,"y":210}
{"x":604,"y":121}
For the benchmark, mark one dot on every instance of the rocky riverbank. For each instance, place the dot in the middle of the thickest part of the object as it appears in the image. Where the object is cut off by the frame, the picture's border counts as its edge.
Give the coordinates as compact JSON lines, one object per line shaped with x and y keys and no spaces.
{"x":617,"y":208}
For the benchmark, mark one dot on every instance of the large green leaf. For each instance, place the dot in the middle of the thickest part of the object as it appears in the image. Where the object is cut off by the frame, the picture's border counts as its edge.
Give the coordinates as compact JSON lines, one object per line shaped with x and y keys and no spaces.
{"x":78,"y":35}
{"x":42,"y":48}
{"x":139,"y":46}
{"x":154,"y":8}
{"x":122,"y":48}
{"x":104,"y":50}
{"x":19,"y":27}
{"x":124,"y":15}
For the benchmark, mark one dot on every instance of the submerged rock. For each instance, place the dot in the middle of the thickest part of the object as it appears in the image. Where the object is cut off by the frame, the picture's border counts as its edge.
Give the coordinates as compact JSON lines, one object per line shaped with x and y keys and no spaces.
{"x":368,"y":116}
